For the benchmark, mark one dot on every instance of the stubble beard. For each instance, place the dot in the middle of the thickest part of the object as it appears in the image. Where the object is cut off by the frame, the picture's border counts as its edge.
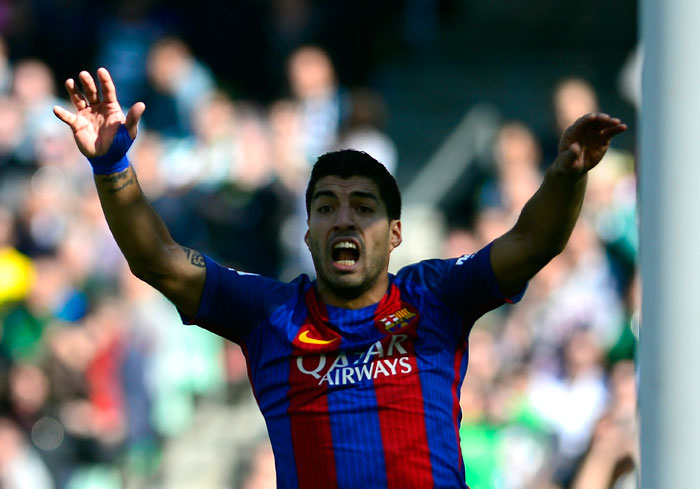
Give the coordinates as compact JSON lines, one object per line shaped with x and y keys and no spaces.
{"x":348,"y":287}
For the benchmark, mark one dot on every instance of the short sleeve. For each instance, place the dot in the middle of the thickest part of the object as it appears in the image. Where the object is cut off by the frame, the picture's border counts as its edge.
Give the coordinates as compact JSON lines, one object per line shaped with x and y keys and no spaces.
{"x":232,"y":302}
{"x":466,"y":284}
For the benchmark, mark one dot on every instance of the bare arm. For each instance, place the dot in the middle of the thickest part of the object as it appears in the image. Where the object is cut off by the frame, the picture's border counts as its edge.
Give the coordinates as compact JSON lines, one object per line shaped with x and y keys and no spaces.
{"x":145,"y":241}
{"x":546,"y":221}
{"x":152,"y":254}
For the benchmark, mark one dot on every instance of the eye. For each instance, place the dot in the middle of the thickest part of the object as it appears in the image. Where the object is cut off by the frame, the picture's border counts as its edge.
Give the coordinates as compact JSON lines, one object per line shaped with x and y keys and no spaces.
{"x":324,"y":209}
{"x":365,"y":209}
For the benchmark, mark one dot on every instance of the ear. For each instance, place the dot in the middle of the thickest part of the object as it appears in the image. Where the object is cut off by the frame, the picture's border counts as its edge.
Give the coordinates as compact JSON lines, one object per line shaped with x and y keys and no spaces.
{"x":306,"y":238}
{"x":395,"y":230}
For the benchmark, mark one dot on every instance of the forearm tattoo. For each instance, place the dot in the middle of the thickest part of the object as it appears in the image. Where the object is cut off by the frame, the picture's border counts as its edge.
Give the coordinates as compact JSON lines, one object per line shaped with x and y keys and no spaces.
{"x":195,"y":257}
{"x":117,"y":180}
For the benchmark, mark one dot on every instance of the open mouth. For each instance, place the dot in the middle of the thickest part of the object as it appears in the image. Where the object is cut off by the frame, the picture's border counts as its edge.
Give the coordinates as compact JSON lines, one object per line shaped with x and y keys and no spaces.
{"x":345,"y":253}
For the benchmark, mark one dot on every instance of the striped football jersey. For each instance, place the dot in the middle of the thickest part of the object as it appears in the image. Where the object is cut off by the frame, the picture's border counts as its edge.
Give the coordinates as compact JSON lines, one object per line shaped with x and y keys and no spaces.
{"x":365,"y":398}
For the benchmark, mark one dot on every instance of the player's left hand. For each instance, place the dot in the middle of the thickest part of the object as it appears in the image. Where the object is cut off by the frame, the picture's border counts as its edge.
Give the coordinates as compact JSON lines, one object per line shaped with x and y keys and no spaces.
{"x":585,"y":142}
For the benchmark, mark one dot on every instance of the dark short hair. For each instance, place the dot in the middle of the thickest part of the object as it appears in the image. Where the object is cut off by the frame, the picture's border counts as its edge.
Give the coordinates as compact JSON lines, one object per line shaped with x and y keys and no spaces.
{"x":348,"y":163}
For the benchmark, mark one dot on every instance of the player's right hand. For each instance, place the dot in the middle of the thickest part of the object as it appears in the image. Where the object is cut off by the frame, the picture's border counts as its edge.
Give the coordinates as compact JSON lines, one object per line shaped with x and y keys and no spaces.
{"x":97,"y":120}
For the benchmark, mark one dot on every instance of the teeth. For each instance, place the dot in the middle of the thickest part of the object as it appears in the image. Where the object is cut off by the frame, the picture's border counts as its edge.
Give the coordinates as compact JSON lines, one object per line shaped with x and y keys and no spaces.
{"x":345,"y":244}
{"x":347,"y":263}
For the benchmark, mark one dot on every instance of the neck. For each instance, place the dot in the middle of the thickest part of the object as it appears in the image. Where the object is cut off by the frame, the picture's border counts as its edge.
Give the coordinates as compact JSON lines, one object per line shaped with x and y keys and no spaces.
{"x":366,"y":298}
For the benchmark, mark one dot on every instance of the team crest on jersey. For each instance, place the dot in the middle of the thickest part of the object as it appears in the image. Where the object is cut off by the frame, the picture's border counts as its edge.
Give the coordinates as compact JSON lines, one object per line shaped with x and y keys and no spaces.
{"x":398,"y":320}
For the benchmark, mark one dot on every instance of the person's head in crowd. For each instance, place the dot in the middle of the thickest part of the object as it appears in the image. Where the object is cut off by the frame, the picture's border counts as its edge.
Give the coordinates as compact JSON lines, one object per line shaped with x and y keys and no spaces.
{"x":573,"y":98}
{"x":254,"y":148}
{"x":29,"y":390}
{"x":584,"y":246}
{"x":517,"y":154}
{"x":582,"y":353}
{"x":33,"y":82}
{"x":168,"y":62}
{"x":604,"y":184}
{"x":491,"y":223}
{"x":459,"y":242}
{"x":364,"y":128}
{"x":291,"y":19}
{"x":70,"y":348}
{"x":368,"y":109}
{"x":54,"y":147}
{"x":49,"y":288}
{"x":78,"y":251}
{"x":288,"y":144}
{"x":311,"y":73}
{"x":516,"y":149}
{"x":215,"y":119}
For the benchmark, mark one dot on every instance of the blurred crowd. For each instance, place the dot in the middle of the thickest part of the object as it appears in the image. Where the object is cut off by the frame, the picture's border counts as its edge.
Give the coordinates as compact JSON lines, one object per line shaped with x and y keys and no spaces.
{"x":97,"y":374}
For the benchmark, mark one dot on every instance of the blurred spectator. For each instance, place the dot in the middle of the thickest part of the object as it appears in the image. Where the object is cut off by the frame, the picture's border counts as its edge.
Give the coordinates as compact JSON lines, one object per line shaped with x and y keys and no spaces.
{"x":611,"y":195}
{"x":572,"y":403}
{"x":517,"y":158}
{"x":611,"y":203}
{"x":180,"y":84}
{"x":287,"y":135}
{"x":213,"y":146}
{"x":582,"y":295}
{"x":291,"y":24}
{"x":364,"y":128}
{"x":244,"y":213}
{"x":33,"y":87}
{"x":612,"y":460}
{"x":125,"y":37}
{"x":573,"y":98}
{"x":504,"y":442}
{"x":323,"y":104}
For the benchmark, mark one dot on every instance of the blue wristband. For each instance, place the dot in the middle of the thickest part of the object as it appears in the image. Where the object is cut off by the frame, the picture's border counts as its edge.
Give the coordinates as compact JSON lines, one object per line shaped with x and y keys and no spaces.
{"x":115,"y":159}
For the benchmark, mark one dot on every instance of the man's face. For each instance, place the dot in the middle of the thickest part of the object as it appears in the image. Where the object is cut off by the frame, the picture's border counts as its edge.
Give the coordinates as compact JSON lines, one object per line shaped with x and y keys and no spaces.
{"x":350,"y":236}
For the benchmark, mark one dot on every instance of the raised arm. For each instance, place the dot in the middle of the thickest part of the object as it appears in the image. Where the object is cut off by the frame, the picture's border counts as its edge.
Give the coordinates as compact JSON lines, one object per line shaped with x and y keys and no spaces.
{"x":546,"y":221}
{"x":104,"y":134}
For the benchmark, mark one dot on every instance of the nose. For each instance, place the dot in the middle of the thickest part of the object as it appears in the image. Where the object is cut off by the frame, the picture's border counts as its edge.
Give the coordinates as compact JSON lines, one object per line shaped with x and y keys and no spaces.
{"x":344,"y":218}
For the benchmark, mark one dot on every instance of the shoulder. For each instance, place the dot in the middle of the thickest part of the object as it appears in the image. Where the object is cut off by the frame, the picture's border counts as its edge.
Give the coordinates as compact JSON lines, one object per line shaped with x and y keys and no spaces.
{"x":247,"y":283}
{"x":436,"y":270}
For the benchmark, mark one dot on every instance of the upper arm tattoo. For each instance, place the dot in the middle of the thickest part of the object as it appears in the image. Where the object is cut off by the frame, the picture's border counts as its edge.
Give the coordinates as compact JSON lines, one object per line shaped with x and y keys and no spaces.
{"x":195,"y":257}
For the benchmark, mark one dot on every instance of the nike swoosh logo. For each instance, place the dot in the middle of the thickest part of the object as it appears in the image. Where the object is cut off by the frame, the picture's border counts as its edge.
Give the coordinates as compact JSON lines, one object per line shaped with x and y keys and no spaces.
{"x":305,"y":338}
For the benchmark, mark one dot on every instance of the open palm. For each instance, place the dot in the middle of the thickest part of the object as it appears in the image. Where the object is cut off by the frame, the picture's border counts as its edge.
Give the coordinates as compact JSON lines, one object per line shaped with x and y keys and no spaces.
{"x":97,"y":119}
{"x":585,"y":142}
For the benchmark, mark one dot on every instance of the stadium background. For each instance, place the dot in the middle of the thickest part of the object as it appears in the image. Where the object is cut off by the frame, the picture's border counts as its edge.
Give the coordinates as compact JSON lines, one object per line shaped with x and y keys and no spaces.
{"x":99,"y":384}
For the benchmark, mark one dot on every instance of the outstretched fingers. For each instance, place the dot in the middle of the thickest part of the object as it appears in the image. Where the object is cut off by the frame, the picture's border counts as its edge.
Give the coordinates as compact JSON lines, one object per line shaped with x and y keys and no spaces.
{"x":109,"y":92}
{"x":598,"y":126}
{"x":77,"y":98}
{"x":133,"y":117}
{"x":66,"y":116}
{"x":89,"y":88}
{"x":604,"y":123}
{"x":614,"y":130}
